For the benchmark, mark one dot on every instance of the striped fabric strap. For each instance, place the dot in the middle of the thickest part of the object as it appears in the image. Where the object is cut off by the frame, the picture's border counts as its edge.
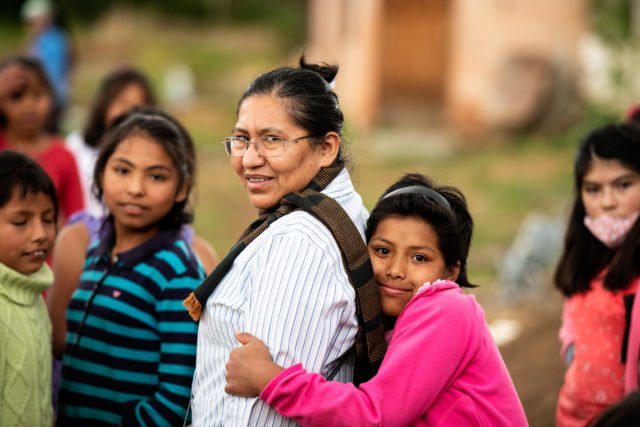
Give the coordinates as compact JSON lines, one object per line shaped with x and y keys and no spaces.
{"x":370,"y":344}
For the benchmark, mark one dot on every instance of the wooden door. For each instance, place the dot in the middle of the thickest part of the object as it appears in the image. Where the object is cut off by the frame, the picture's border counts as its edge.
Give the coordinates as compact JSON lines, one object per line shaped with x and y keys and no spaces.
{"x":414,"y":50}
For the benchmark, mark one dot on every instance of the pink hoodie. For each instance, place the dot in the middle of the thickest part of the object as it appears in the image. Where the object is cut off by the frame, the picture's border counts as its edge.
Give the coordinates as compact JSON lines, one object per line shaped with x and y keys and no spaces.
{"x":442,"y":368}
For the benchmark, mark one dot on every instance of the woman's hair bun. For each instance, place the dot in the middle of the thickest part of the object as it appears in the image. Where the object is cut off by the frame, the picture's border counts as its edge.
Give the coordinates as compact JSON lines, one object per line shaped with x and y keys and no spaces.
{"x":326,"y":71}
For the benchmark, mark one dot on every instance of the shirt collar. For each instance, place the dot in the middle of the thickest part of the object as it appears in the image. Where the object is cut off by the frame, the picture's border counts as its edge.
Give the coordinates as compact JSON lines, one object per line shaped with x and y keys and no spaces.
{"x":340,"y":186}
{"x":134,"y":256}
{"x":24,"y":289}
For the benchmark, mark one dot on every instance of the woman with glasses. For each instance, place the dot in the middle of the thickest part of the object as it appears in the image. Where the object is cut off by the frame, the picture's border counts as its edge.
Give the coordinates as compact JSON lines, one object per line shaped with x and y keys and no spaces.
{"x":299,"y":277}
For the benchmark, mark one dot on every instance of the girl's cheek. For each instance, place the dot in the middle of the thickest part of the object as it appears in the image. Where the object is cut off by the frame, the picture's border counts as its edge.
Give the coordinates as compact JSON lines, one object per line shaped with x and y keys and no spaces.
{"x":47,"y":105}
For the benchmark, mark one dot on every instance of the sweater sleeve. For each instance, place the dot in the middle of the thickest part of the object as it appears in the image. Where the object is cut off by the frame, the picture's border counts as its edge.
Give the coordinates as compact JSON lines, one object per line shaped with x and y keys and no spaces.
{"x":428,"y":351}
{"x":178,"y":336}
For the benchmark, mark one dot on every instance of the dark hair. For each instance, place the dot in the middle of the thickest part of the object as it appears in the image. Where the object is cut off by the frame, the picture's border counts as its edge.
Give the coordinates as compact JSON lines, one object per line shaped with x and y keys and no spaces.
{"x":308,"y":98}
{"x":624,"y":413}
{"x":111,"y":87}
{"x":452,"y":223}
{"x":584,"y":256}
{"x":21,"y":173}
{"x":171,"y":135}
{"x":34,"y":66}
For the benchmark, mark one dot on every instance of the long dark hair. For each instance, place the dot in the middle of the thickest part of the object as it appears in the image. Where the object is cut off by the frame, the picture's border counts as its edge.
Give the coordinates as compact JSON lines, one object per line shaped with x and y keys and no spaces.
{"x":172,"y":136}
{"x":308,"y":98}
{"x":112,"y":85}
{"x":450,"y":220}
{"x":584,"y":256}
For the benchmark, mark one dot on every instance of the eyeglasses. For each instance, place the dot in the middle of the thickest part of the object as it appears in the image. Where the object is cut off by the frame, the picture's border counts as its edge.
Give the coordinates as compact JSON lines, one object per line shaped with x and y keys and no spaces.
{"x":267,"y":146}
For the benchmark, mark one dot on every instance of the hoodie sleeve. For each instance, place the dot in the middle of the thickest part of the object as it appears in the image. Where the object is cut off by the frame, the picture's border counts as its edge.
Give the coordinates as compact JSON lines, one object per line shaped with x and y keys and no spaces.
{"x":430,"y":347}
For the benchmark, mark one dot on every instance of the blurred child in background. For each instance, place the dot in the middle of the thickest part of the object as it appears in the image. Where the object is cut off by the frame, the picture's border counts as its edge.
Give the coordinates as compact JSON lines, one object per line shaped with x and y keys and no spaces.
{"x":28,"y":211}
{"x":119,"y":92}
{"x":49,"y":42}
{"x":598,"y":275}
{"x":442,"y":367}
{"x":24,"y":112}
{"x":130,"y":347}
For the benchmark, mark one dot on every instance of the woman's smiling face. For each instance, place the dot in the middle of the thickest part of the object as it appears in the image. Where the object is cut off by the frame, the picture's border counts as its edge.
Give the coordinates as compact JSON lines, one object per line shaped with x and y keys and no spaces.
{"x":267,"y":179}
{"x":405,"y":254}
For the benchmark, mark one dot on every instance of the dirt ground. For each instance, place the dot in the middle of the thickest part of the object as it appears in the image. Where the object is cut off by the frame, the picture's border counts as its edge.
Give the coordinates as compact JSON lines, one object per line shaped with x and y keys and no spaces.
{"x":533,"y":358}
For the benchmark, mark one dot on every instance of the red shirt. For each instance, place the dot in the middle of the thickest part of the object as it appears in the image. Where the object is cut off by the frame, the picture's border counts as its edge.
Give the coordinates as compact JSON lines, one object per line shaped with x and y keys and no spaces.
{"x":60,"y":165}
{"x":595,"y":378}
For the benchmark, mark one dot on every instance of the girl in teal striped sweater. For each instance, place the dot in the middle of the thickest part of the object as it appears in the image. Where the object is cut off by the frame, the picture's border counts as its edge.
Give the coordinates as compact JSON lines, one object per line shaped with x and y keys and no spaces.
{"x":130,"y":346}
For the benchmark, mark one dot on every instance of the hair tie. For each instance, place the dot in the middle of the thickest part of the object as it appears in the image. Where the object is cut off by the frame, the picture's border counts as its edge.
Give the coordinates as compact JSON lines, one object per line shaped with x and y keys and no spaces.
{"x":429,"y":193}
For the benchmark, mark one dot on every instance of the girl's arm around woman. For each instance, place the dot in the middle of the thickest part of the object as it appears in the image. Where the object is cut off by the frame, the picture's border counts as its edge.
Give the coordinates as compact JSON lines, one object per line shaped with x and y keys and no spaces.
{"x":442,"y":367}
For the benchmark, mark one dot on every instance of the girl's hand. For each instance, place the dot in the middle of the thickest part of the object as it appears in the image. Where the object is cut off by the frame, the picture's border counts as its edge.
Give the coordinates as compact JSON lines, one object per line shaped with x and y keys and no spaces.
{"x":250,"y":367}
{"x":13,"y":78}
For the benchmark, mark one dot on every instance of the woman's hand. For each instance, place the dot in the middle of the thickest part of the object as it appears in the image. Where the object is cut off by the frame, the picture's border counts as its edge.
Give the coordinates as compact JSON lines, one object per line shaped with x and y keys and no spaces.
{"x":250,"y":367}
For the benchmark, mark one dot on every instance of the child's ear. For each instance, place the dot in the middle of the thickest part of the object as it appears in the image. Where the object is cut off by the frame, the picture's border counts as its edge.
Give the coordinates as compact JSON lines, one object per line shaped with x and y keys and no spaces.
{"x":182,"y":193}
{"x":453,"y":272}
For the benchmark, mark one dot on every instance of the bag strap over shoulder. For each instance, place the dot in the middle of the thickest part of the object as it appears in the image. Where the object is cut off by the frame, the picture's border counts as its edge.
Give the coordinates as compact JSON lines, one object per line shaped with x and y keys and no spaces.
{"x":370,"y":344}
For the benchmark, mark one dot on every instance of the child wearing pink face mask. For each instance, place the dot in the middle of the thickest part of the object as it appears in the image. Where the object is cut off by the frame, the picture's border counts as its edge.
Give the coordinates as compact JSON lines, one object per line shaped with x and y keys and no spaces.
{"x":598,"y":274}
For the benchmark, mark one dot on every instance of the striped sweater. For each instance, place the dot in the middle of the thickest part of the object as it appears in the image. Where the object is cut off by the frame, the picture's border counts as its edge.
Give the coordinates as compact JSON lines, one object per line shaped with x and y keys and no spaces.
{"x":131,"y":346}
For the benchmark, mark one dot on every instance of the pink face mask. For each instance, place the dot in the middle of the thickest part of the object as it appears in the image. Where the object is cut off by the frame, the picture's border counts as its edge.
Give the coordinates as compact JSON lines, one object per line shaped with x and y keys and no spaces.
{"x":610,"y":230}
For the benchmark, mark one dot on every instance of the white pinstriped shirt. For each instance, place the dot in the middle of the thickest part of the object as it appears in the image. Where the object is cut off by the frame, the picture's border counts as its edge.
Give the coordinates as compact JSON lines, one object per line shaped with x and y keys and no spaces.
{"x":290,"y":289}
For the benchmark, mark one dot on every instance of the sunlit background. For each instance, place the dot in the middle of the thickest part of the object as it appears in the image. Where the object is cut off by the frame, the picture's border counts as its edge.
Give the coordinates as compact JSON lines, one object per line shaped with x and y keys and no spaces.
{"x":490,"y":96}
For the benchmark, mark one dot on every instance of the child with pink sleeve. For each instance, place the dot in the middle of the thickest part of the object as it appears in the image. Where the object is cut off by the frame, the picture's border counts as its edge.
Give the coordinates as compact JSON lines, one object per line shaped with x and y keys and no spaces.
{"x":598,"y":275}
{"x":442,"y":366}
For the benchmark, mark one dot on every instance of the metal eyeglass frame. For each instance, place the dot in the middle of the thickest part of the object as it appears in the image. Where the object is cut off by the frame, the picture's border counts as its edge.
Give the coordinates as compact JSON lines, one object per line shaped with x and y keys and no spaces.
{"x":258,"y":142}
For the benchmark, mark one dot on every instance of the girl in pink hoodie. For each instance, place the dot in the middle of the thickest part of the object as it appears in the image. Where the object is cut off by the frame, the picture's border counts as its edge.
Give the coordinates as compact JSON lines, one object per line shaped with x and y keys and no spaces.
{"x":442,"y":367}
